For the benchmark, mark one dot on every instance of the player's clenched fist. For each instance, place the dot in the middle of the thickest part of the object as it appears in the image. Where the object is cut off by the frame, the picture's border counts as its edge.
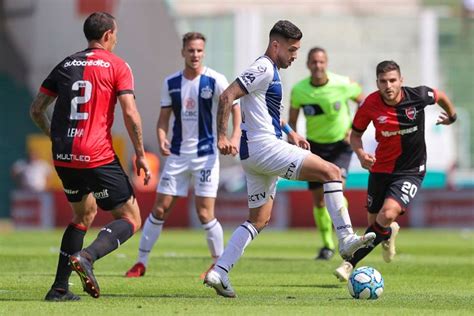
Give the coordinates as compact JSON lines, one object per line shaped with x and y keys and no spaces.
{"x":366,"y":160}
{"x":226,"y":147}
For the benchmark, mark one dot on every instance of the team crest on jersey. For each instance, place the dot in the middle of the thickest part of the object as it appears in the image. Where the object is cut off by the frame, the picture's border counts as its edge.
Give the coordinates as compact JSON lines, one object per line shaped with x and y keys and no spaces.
{"x":206,"y":92}
{"x":309,"y":110}
{"x":189,"y":104}
{"x":410,"y":113}
{"x":337,"y":106}
{"x":382,"y":119}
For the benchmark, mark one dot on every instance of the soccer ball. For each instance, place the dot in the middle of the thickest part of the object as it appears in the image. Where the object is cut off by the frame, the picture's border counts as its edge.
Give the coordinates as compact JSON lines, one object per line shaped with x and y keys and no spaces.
{"x":365,"y":283}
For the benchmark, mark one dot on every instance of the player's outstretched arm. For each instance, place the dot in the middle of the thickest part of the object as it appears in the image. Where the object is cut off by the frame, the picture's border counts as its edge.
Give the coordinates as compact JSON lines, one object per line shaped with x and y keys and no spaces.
{"x":162,"y":127}
{"x":226,"y":100}
{"x":445,"y":103}
{"x":366,"y":160}
{"x":133,"y":123}
{"x":38,"y":112}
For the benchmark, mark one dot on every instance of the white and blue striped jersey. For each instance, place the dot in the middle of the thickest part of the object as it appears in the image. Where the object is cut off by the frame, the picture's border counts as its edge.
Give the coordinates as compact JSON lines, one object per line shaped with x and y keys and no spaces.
{"x":261,"y":106}
{"x":194,"y":103}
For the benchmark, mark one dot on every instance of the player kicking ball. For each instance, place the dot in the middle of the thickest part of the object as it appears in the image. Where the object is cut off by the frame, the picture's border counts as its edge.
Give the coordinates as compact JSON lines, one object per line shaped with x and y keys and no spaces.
{"x":265,"y":156}
{"x":399,"y":165}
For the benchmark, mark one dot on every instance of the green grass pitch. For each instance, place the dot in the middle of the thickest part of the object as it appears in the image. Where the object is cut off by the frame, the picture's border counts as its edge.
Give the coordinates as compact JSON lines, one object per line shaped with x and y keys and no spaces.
{"x":432,"y":274}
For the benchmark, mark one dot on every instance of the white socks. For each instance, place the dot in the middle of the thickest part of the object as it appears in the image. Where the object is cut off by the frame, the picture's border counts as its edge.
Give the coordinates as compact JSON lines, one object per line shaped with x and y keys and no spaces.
{"x":150,"y":233}
{"x":215,"y":238}
{"x":152,"y":229}
{"x":241,"y":237}
{"x":337,"y":208}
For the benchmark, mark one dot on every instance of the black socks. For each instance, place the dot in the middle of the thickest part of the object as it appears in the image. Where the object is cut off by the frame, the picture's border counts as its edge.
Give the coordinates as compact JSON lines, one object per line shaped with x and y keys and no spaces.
{"x":110,"y":238}
{"x":71,"y":243}
{"x":381,"y":234}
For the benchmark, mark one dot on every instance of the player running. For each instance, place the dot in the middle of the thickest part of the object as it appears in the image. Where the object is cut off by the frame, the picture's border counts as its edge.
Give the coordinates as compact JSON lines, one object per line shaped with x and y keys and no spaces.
{"x":86,"y":86}
{"x":399,"y":164}
{"x":192,"y":96}
{"x":265,"y":156}
{"x":324,"y":98}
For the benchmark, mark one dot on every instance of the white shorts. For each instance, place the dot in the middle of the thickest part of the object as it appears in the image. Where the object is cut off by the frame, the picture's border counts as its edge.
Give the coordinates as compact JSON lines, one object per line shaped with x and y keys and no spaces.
{"x":179,"y":170}
{"x":267,"y":161}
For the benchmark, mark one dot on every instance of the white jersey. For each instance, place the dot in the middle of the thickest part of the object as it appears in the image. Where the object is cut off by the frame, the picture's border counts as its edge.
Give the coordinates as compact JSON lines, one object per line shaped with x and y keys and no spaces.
{"x":264,"y":155}
{"x":261,"y":106}
{"x":194,"y":103}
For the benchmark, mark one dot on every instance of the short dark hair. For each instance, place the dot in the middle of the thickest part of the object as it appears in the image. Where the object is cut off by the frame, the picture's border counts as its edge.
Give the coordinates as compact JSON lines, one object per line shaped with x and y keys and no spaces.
{"x":286,"y":29}
{"x":97,"y":24}
{"x":314,"y":50}
{"x":190,"y":36}
{"x":386,"y":66}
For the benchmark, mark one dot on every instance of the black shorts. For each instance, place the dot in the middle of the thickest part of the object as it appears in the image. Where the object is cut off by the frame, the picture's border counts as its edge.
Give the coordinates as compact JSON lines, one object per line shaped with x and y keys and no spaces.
{"x":401,"y":188}
{"x":339,"y":153}
{"x":108,"y":183}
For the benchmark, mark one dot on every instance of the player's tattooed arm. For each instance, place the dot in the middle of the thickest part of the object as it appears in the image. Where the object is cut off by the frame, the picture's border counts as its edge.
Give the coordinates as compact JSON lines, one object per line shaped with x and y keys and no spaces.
{"x":226,"y":101}
{"x":133,"y":123}
{"x":38,"y":112}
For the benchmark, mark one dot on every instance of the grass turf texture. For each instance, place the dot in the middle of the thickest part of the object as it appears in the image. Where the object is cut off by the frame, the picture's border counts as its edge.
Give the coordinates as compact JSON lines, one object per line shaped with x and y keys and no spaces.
{"x":431,"y":275}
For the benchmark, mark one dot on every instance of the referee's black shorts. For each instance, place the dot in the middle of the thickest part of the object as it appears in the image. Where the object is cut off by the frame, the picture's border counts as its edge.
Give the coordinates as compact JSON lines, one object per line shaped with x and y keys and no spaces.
{"x":108,"y":183}
{"x":338,"y":153}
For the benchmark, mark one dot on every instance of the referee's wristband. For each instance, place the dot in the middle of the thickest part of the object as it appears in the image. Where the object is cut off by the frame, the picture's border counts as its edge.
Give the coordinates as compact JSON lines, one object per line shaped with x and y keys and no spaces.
{"x":453,"y":118}
{"x":286,"y":129}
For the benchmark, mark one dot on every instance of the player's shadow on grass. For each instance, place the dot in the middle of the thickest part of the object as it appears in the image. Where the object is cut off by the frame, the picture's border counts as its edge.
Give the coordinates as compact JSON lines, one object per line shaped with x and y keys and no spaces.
{"x":322,"y":286}
{"x":112,"y":295}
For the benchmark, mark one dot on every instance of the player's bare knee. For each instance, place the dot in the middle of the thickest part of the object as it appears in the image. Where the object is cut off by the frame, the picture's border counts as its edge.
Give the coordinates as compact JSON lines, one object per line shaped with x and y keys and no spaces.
{"x":387,"y":216}
{"x":331,"y":173}
{"x":205,"y":217}
{"x":159,"y":212}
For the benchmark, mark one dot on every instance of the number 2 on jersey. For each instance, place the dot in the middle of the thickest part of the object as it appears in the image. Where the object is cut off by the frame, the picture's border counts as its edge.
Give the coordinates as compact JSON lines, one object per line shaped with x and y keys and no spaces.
{"x":76,"y":86}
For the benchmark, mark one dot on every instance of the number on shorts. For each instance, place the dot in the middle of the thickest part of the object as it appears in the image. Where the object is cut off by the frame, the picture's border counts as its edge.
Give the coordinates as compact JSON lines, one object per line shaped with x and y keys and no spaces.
{"x":76,"y":86}
{"x":205,"y":176}
{"x":409,"y":188}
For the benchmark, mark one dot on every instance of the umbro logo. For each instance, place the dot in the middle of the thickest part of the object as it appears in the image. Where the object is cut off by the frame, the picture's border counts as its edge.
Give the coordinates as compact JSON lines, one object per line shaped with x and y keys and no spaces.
{"x":382,"y":119}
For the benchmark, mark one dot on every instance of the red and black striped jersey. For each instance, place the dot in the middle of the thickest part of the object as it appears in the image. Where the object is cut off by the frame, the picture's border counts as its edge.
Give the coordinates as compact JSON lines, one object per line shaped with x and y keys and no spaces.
{"x":399,"y":130}
{"x":86,"y":84}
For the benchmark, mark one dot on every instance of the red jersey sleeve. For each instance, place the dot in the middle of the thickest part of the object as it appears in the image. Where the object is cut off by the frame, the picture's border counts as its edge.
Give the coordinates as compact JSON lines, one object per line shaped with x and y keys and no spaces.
{"x":361,"y":118}
{"x":124,"y":79}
